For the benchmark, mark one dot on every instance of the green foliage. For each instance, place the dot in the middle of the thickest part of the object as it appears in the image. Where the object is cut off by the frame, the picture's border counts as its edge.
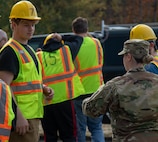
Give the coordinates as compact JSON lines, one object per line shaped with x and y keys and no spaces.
{"x":5,"y":7}
{"x":57,"y":15}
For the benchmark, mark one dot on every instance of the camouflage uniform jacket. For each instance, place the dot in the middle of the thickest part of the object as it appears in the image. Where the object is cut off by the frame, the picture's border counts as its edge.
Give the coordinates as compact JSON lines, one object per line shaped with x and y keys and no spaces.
{"x":131,"y":99}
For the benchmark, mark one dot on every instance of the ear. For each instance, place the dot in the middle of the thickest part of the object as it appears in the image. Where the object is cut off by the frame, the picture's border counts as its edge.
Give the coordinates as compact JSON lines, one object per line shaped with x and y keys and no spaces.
{"x":12,"y":25}
{"x":152,"y":48}
{"x":152,"y":44}
{"x":129,"y":56}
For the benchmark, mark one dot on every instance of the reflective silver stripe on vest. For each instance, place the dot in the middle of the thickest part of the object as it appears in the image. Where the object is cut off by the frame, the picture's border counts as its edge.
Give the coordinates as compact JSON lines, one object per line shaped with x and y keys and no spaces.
{"x":60,"y":77}
{"x":99,"y":54}
{"x":26,"y":87}
{"x":66,"y":59}
{"x":4,"y":132}
{"x":69,"y":82}
{"x":20,"y":51}
{"x":82,"y":73}
{"x":70,"y":88}
{"x":95,"y":69}
{"x":3,"y":100}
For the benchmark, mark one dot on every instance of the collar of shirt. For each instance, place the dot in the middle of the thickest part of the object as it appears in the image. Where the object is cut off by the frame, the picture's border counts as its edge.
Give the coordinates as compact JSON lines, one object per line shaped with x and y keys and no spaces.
{"x":138,"y":69}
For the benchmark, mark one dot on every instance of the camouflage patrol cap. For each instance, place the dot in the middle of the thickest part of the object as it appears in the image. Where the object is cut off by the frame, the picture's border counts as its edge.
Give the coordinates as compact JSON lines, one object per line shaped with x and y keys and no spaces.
{"x":137,"y":47}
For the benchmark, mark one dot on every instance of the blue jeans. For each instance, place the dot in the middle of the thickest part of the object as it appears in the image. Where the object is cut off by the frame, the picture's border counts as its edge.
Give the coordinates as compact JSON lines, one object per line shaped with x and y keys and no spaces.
{"x":94,"y":125}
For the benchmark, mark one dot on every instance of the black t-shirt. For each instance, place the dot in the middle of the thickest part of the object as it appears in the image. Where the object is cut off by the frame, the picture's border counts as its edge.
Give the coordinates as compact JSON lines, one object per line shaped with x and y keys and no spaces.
{"x":9,"y":61}
{"x":74,"y":43}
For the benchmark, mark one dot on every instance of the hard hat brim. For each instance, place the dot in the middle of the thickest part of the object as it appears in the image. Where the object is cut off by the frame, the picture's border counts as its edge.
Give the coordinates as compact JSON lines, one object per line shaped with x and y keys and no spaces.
{"x":26,"y":18}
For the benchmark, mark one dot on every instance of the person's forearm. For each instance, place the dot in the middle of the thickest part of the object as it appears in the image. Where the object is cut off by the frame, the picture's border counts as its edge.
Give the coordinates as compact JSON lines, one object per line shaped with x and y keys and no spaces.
{"x":93,"y":106}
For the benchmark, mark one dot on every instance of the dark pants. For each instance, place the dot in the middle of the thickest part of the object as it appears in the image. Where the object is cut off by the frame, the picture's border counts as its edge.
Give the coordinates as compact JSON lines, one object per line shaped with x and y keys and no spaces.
{"x":60,"y":121}
{"x":14,"y":107}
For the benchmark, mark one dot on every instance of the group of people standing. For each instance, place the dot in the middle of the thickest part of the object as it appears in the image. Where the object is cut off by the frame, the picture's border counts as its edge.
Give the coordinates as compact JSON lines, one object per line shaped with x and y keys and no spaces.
{"x":73,"y":74}
{"x":66,"y":70}
{"x":58,"y":84}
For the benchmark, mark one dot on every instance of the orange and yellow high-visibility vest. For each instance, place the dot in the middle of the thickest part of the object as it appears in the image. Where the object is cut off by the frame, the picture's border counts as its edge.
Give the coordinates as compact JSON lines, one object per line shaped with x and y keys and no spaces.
{"x":59,"y":73}
{"x":89,"y":63}
{"x":27,"y":87}
{"x":6,"y":112}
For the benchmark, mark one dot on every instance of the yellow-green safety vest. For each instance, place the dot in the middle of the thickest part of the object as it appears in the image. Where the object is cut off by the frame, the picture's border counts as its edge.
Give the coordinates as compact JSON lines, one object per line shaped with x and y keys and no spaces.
{"x":59,"y":73}
{"x":89,"y":63}
{"x":27,"y":87}
{"x":6,"y":112}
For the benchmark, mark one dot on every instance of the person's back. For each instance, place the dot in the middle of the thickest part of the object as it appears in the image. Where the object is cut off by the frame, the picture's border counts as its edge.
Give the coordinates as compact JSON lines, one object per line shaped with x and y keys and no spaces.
{"x":88,"y":64}
{"x":58,"y":70}
{"x":137,"y":98}
{"x":131,"y":98}
{"x":59,"y":73}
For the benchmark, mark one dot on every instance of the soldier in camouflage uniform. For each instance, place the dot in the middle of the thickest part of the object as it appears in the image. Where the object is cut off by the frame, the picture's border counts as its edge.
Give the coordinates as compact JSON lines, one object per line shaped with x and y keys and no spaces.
{"x":131,"y":99}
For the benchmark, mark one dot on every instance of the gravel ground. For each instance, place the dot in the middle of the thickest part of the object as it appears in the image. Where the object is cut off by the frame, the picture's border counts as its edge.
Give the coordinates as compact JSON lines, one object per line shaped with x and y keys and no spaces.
{"x":106,"y":128}
{"x":88,"y":140}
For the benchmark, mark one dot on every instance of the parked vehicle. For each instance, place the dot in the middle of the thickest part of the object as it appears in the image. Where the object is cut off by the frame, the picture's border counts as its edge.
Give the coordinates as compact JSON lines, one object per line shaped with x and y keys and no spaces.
{"x":112,"y":38}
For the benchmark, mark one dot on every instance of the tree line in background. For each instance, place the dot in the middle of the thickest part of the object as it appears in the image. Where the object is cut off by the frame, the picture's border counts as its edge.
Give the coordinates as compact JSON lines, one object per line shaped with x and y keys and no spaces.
{"x":57,"y":15}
